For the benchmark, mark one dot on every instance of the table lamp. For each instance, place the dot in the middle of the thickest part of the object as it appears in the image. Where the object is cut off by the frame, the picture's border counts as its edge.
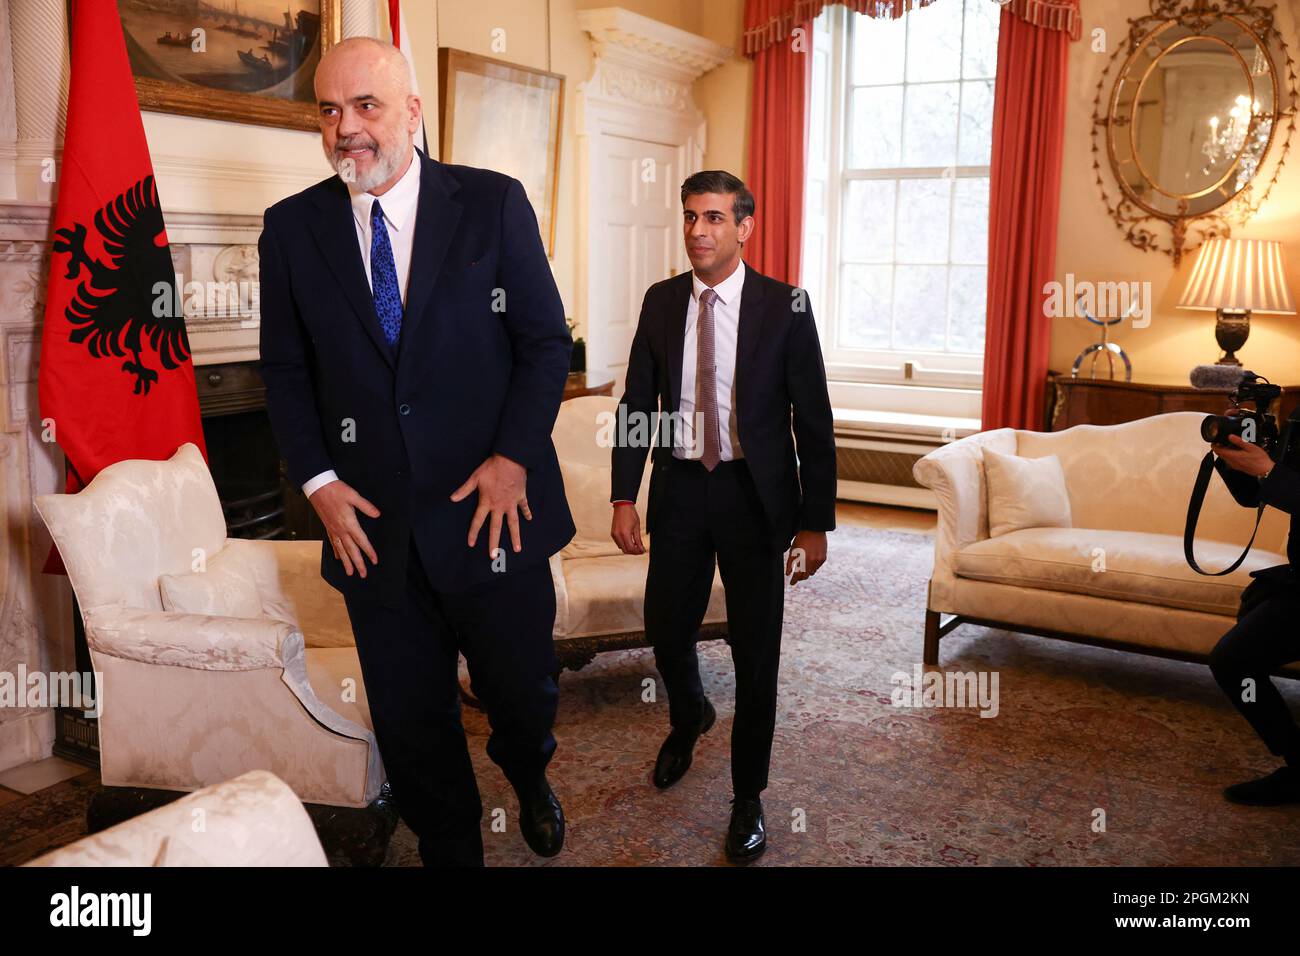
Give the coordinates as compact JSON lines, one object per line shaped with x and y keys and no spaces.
{"x":1233,"y":278}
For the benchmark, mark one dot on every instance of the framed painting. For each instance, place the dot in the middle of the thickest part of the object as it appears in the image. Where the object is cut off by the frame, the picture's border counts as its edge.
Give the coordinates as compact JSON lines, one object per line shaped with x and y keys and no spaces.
{"x":501,"y":116}
{"x":249,"y":61}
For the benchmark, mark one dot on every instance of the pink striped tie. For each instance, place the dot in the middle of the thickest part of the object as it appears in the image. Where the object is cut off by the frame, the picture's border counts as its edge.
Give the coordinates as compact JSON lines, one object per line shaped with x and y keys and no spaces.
{"x":706,"y":391}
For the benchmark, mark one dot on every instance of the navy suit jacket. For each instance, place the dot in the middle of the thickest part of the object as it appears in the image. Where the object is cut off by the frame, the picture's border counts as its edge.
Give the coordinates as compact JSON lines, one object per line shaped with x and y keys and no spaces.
{"x":781,"y":398}
{"x":479,"y":369}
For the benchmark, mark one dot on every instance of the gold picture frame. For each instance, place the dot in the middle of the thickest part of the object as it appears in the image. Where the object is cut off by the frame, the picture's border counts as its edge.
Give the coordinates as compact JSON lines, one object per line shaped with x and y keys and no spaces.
{"x":228,"y":90}
{"x":1141,"y":204}
{"x":514,"y":126}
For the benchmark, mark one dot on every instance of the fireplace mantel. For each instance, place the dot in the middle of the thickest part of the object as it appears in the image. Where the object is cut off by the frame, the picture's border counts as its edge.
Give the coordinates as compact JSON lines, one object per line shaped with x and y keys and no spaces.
{"x":206,"y":247}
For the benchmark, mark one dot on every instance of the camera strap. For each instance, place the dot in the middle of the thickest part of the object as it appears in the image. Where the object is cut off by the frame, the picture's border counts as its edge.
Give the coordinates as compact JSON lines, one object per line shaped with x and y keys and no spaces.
{"x":1194,"y":514}
{"x":1198,"y":498}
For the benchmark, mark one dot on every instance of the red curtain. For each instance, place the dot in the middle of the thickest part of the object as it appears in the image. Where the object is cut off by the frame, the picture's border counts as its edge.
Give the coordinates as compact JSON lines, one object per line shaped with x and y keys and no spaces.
{"x":771,"y":21}
{"x":777,"y":145}
{"x":1024,"y":200}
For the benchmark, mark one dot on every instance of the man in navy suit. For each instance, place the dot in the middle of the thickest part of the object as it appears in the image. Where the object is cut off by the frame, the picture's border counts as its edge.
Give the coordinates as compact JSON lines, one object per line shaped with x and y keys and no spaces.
{"x":731,"y":358}
{"x":415,"y":350}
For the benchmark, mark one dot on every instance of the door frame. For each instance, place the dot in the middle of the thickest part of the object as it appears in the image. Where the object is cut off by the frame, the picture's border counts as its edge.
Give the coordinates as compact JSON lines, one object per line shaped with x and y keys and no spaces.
{"x":639,"y":89}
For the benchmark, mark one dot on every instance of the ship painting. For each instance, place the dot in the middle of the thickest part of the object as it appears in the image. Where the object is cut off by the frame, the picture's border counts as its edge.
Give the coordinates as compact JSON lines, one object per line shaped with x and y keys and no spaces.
{"x":267,"y":47}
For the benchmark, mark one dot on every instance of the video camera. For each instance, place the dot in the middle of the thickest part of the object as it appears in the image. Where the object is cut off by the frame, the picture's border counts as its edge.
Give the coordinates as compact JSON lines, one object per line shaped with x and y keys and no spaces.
{"x":1256,"y":426}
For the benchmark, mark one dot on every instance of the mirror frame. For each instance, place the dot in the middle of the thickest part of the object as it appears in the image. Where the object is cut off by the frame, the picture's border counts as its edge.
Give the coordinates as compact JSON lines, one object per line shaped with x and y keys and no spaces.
{"x":1141,"y":222}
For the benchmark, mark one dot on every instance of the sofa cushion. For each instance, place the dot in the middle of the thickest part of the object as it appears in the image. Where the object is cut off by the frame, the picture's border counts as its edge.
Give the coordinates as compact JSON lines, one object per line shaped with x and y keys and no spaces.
{"x":587,"y":488}
{"x":1136,"y":566}
{"x":1025,"y":493}
{"x":225,"y":587}
{"x":607,"y":595}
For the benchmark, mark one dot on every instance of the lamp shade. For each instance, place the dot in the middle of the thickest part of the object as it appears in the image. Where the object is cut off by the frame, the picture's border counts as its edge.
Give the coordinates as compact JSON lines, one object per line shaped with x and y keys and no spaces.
{"x":1239,"y":275}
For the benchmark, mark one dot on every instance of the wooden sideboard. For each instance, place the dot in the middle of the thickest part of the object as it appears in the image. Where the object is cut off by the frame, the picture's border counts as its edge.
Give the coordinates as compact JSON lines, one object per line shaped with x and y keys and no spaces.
{"x":1097,"y":401}
{"x":588,"y":383}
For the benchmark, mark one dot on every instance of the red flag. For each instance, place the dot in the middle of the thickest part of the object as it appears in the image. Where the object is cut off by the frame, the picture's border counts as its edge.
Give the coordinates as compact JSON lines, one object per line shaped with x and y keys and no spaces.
{"x":402,"y":40}
{"x":116,"y":377}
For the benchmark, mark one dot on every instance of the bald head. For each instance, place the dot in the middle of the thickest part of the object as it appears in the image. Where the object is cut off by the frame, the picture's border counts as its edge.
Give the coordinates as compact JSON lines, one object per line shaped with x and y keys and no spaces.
{"x":368,"y":114}
{"x":379,"y":59}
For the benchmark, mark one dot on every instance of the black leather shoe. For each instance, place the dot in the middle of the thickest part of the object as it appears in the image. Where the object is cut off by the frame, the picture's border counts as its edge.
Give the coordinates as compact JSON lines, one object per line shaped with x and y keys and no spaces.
{"x":541,"y":818}
{"x":1280,"y":787}
{"x":746,"y":836}
{"x":678,"y":748}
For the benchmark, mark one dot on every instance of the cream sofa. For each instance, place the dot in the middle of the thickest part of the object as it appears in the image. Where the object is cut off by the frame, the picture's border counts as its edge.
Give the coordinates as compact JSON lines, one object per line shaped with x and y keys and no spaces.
{"x":1117,"y":578}
{"x":193,"y":699}
{"x":252,"y":820}
{"x":599,"y":591}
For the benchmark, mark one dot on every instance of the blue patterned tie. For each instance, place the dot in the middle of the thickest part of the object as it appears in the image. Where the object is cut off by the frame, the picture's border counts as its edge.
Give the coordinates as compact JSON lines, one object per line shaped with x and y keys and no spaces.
{"x":383,"y":277}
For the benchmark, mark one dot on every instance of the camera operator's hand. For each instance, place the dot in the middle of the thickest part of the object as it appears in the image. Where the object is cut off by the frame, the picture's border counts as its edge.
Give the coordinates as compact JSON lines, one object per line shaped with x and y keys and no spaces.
{"x":1245,"y":457}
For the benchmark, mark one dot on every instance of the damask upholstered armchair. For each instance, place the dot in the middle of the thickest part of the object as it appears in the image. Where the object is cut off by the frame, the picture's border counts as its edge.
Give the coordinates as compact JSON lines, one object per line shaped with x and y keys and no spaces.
{"x":219,"y":655}
{"x":253,"y":820}
{"x":599,"y":591}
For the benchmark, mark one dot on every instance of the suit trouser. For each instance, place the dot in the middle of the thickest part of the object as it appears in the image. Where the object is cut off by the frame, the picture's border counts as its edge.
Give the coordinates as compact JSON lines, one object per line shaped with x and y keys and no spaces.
{"x":408,"y":660}
{"x":1266,"y":636}
{"x":710,"y":516}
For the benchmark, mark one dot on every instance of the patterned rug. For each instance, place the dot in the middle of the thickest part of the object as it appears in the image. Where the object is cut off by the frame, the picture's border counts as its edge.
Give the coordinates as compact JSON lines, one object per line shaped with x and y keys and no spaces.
{"x":1094,"y":757}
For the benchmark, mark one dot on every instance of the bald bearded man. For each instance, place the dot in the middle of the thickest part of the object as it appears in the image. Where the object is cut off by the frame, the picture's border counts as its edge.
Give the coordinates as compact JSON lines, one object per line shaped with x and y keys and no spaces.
{"x":415,"y":350}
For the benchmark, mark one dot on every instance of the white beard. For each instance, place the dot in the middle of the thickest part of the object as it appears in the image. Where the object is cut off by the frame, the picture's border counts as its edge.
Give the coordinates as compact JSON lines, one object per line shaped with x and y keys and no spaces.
{"x":387,"y":162}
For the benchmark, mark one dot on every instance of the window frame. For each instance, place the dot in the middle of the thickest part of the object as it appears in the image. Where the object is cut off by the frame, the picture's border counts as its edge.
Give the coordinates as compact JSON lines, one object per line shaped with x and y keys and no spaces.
{"x":831,"y":38}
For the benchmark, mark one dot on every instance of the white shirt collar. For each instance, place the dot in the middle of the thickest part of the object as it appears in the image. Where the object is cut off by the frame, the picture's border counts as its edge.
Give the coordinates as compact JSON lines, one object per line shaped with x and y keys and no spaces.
{"x":399,"y":203}
{"x":726,"y":290}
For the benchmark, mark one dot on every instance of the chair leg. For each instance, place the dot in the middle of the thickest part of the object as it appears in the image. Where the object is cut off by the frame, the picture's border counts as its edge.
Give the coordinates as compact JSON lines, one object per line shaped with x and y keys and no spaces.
{"x":356,"y":836}
{"x":930,"y":652}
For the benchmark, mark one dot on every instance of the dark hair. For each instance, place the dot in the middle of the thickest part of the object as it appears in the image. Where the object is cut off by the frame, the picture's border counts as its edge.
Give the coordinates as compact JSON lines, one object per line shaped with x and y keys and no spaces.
{"x":721,"y":181}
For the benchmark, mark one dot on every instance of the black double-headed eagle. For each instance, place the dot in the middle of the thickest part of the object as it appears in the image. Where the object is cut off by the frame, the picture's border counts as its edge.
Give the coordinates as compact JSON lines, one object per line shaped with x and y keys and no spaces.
{"x":119,"y":306}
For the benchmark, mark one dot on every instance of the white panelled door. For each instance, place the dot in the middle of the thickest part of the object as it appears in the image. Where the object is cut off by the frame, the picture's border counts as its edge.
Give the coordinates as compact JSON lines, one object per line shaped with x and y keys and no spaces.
{"x":639,"y":135}
{"x":637,"y":241}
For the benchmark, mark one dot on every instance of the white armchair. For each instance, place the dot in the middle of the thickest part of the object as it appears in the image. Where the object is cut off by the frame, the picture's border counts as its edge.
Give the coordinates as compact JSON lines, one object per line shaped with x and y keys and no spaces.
{"x":253,"y":820}
{"x":189,"y":700}
{"x":599,"y":591}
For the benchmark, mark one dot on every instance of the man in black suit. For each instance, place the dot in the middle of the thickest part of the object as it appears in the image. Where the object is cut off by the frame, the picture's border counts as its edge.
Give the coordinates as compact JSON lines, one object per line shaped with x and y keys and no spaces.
{"x":728,"y":362}
{"x":1264,"y":637}
{"x":414,"y":350}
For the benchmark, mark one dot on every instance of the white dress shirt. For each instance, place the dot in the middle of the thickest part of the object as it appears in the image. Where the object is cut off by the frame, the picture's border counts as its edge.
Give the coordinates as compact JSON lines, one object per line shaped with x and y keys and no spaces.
{"x":726,"y":327}
{"x":399,"y":205}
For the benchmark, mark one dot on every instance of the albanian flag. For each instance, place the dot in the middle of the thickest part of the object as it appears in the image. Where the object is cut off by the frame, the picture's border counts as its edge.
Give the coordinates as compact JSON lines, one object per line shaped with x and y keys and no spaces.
{"x":116,"y":380}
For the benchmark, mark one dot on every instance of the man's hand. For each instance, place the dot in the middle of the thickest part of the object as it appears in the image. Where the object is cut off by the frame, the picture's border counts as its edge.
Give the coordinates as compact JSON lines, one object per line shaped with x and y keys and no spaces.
{"x":502,"y":493}
{"x":807,"y":555}
{"x":1245,"y":456}
{"x":625,"y":529}
{"x":337,"y":503}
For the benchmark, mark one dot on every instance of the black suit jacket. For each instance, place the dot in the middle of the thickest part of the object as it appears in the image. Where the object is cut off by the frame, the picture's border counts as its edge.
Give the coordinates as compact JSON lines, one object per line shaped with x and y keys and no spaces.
{"x":1281,"y":489}
{"x":780,"y":399}
{"x":479,"y":369}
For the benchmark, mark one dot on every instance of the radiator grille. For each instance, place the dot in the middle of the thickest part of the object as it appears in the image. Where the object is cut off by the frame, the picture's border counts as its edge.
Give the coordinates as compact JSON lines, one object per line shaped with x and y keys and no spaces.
{"x":876,"y":466}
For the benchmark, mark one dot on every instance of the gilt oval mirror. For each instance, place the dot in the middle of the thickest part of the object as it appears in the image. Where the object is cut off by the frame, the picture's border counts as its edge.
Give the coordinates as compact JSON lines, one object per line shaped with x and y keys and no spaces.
{"x":1196,"y":123}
